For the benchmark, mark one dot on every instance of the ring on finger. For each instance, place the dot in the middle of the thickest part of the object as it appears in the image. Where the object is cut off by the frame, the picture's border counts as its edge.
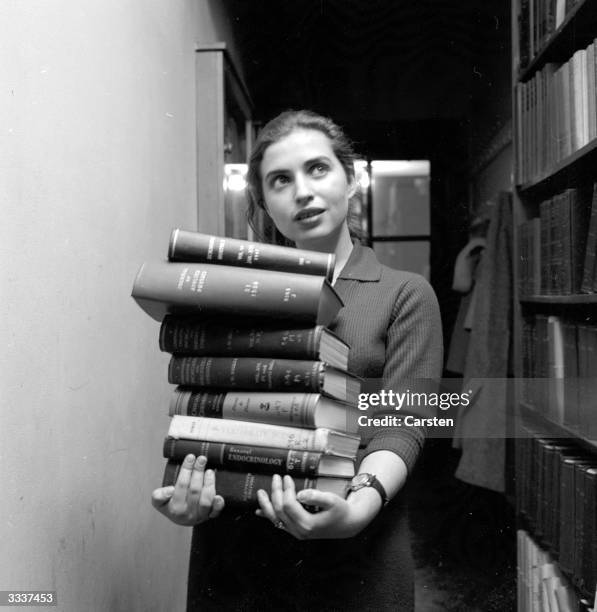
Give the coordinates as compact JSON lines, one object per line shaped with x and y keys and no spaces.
{"x":279,"y":524}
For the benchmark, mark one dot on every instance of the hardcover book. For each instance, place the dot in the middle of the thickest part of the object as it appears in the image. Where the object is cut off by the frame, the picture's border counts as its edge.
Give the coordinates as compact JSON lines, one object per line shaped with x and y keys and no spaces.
{"x":262,"y":459}
{"x":204,"y":248}
{"x":258,"y":338}
{"x":162,"y":288}
{"x":252,"y":373}
{"x":310,"y":410}
{"x":260,"y":434}
{"x":239,"y":488}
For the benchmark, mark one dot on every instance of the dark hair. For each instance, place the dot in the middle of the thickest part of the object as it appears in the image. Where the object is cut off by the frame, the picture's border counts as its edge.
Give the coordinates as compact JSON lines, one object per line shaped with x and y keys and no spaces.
{"x":280,"y":127}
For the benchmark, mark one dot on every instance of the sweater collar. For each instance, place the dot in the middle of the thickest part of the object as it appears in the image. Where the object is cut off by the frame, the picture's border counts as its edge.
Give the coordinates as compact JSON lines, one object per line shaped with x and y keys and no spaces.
{"x":362,"y":265}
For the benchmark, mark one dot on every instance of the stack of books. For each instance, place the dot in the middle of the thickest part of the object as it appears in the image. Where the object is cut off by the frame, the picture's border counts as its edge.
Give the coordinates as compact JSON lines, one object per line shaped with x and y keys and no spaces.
{"x":262,"y":384}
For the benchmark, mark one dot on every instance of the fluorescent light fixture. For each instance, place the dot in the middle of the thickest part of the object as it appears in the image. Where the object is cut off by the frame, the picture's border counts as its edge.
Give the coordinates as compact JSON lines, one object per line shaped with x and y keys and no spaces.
{"x":417,"y":167}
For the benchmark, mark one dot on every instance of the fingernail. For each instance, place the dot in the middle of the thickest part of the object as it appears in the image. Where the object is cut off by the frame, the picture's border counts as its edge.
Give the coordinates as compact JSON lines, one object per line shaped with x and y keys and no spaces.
{"x":168,"y":491}
{"x":201,"y":461}
{"x":302,"y":496}
{"x":190,"y":459}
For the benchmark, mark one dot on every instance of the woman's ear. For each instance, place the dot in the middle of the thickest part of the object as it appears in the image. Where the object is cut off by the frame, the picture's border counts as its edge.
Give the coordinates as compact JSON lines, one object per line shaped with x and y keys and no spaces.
{"x":352,"y":186}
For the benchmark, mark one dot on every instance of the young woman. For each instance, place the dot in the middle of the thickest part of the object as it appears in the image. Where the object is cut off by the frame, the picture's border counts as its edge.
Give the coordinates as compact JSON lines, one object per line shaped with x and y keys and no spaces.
{"x":354,"y":553}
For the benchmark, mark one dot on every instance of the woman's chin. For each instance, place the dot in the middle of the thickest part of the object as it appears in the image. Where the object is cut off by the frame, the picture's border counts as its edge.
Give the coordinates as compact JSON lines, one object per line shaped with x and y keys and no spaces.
{"x":316,"y":241}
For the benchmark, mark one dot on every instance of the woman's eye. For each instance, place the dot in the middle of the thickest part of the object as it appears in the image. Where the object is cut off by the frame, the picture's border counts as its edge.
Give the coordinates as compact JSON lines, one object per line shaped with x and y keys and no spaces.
{"x":280,"y":180}
{"x":319,"y":169}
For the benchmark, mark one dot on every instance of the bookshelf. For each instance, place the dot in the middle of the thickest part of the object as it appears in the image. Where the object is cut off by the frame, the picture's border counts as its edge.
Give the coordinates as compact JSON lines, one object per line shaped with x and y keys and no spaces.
{"x":554,"y":93}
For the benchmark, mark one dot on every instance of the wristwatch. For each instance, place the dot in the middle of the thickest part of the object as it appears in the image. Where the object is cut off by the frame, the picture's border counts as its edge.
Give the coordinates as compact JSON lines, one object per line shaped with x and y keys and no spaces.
{"x":368,"y":480}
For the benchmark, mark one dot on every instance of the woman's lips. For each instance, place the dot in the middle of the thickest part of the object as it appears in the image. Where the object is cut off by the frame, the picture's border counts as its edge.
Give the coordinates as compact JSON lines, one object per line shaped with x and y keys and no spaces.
{"x":306,"y":214}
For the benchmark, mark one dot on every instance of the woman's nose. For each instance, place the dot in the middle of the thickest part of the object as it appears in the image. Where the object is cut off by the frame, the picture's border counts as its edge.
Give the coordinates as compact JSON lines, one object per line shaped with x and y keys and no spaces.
{"x":302,"y":188}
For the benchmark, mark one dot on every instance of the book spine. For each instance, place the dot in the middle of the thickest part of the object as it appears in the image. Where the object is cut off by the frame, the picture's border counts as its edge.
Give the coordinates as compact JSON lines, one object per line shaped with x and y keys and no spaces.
{"x":193,"y":246}
{"x":589,"y":553}
{"x":570,"y":375}
{"x":247,"y":433}
{"x":591,"y":247}
{"x":237,"y":488}
{"x":556,"y":246}
{"x":202,"y":289}
{"x":579,"y":222}
{"x":242,"y":458}
{"x":240,"y":488}
{"x":545,"y":217}
{"x":291,"y":409}
{"x":196,"y":403}
{"x":247,"y":373}
{"x":184,"y":335}
{"x":564,"y":225}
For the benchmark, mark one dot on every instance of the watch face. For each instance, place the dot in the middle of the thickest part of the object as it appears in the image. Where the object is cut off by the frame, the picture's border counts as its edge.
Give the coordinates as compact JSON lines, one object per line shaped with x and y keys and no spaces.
{"x":360,"y":480}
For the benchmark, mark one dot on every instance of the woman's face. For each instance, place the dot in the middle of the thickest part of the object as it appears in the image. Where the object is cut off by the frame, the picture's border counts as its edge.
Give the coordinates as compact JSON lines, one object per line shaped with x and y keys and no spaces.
{"x":306,"y":189}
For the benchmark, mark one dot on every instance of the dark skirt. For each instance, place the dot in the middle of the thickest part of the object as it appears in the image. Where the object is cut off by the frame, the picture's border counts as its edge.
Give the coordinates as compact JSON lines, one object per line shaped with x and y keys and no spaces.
{"x":242,"y":562}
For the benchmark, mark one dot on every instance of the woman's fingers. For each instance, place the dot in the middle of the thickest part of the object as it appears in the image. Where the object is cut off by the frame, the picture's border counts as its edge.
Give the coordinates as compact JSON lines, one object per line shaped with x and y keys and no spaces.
{"x":193,"y":498}
{"x":196,"y":484}
{"x":266,"y":510}
{"x":181,"y":487}
{"x":277,"y":497}
{"x":312,"y":497}
{"x":292,"y":509}
{"x":272,"y":507}
{"x":160,"y":497}
{"x":217,"y":506}
{"x":208,"y":492}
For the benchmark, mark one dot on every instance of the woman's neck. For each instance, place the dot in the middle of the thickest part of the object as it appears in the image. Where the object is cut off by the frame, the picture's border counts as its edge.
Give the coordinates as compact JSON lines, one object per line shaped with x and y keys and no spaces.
{"x":341,"y":246}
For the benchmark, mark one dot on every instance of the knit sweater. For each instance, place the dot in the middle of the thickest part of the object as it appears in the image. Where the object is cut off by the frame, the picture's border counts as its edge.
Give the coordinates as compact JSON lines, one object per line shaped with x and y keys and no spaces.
{"x":241,"y":562}
{"x":391,"y":322}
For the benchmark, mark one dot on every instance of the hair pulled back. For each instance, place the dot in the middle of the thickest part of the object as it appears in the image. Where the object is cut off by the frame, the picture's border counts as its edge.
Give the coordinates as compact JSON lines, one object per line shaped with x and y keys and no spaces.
{"x":280,"y":127}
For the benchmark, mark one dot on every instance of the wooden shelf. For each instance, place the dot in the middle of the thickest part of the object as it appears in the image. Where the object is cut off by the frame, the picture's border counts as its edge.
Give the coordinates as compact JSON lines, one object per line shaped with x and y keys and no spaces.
{"x":572,"y":163}
{"x":568,"y":300}
{"x":533,"y":417}
{"x":577,"y":31}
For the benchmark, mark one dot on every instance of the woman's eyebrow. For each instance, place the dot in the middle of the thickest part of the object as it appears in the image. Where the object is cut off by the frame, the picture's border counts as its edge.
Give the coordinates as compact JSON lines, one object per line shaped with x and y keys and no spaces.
{"x":318,"y":158}
{"x":307,"y":162}
{"x":275,"y":172}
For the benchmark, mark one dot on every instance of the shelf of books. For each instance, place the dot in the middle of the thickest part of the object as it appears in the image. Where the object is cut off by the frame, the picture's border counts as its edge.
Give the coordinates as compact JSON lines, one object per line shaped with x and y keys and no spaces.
{"x":554,"y":101}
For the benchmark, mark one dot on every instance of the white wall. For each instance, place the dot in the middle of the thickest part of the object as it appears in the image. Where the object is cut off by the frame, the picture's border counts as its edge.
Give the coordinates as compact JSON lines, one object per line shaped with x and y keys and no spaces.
{"x":97,"y":154}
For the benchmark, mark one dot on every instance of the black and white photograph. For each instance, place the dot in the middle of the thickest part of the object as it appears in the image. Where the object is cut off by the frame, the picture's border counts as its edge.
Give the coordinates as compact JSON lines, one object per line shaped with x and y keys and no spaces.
{"x":299,"y":305}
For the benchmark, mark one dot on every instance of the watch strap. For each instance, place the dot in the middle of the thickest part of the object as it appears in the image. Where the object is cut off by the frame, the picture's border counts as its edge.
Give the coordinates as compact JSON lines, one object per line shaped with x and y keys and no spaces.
{"x":375,"y":484}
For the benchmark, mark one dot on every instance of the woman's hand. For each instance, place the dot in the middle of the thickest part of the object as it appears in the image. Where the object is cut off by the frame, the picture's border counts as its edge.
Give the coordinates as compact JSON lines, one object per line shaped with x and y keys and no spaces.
{"x":192,"y":500}
{"x":337,"y":518}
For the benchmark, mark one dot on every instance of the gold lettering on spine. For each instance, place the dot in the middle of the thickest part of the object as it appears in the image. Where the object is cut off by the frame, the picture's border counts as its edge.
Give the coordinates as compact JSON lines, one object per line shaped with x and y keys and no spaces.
{"x":181,"y":278}
{"x":221,"y":247}
{"x":249,"y":487}
{"x":210,"y":247}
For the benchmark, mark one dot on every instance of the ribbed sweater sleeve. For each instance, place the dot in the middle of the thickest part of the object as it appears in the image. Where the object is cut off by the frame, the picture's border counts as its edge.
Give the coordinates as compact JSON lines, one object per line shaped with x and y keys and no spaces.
{"x":392,"y":324}
{"x":413,"y":358}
